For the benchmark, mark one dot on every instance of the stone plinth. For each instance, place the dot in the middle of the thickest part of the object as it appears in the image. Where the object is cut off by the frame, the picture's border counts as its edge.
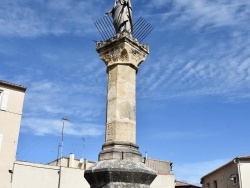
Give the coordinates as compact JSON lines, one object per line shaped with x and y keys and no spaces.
{"x":119,"y":174}
{"x":120,"y":150}
{"x":122,"y":56}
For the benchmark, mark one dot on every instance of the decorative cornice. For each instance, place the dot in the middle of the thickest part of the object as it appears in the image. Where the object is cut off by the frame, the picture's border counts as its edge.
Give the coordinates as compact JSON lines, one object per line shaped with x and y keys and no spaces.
{"x":122,"y":49}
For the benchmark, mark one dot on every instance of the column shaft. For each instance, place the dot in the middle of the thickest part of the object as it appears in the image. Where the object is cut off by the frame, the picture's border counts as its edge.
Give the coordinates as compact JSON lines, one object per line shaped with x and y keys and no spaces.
{"x":121,"y":106}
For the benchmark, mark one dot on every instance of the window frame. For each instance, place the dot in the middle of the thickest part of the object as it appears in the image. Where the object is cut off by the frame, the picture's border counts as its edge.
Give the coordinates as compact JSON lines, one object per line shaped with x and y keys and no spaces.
{"x":208,"y":185}
{"x":215,"y":184}
{"x":4,"y":98}
{"x":234,"y":178}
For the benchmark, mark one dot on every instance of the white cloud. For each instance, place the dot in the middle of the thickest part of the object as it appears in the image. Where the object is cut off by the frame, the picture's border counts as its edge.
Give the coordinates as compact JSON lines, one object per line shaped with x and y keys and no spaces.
{"x":210,"y":67}
{"x":201,"y":13}
{"x":193,"y":172}
{"x":34,"y":18}
{"x":52,"y":101}
{"x":41,"y":126}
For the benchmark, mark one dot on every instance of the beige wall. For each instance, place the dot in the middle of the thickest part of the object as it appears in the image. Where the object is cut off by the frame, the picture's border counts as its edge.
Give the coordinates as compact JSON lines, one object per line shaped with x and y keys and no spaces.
{"x":161,"y":167}
{"x":73,"y":178}
{"x":244,"y":168}
{"x":71,"y":162}
{"x":30,"y":175}
{"x":164,"y":177}
{"x":10,"y":117}
{"x":222,"y":176}
{"x":163,"y":181}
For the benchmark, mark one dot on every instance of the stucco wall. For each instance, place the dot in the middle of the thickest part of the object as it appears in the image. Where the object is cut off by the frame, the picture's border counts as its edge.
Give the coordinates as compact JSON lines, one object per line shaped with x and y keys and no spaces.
{"x":245,"y":173}
{"x":30,"y":175}
{"x":73,"y":178}
{"x":10,"y":119}
{"x":163,"y":181}
{"x":73,"y":163}
{"x":161,"y":167}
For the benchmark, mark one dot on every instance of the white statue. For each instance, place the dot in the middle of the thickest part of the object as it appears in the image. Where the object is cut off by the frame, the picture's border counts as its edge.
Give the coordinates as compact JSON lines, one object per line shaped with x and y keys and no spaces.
{"x":122,"y":16}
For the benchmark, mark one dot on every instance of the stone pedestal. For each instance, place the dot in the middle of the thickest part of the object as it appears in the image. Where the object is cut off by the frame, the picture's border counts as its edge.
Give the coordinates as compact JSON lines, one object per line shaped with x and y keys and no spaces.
{"x":120,"y":162}
{"x":119,"y":174}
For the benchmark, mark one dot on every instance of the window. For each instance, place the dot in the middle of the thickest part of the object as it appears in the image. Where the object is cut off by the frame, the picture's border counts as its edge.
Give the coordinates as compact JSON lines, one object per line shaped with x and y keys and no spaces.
{"x":4,"y":95}
{"x":234,"y":179}
{"x":208,"y":185}
{"x":215,"y":184}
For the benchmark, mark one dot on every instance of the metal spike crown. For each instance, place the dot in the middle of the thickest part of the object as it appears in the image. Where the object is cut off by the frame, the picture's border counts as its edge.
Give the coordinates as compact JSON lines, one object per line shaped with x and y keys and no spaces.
{"x":141,"y":28}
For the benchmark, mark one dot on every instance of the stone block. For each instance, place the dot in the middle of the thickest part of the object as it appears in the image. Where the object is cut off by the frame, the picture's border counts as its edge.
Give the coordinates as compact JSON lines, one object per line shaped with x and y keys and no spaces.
{"x":119,"y":174}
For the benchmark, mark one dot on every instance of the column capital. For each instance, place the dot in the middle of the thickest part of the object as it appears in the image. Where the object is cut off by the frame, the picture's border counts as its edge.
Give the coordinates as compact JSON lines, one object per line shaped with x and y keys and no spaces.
{"x":122,"y":49}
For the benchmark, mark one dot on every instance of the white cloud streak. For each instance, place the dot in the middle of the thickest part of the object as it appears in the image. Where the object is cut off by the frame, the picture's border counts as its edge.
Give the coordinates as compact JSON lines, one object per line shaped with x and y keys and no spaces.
{"x":202,"y":13}
{"x":41,"y":127}
{"x":52,"y":101}
{"x":221,"y":68}
{"x":34,"y":18}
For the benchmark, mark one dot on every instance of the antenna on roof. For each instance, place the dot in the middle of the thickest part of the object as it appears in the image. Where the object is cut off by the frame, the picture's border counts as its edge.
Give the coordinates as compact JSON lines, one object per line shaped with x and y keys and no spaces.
{"x":61,"y":151}
{"x":83,"y":144}
{"x":64,"y":119}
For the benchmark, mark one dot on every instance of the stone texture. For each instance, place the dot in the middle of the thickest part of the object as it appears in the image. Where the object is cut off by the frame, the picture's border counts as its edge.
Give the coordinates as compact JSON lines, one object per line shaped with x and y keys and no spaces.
{"x":122,"y":49}
{"x":119,"y":174}
{"x":120,"y":162}
{"x":121,"y":104}
{"x":122,"y":55}
{"x":120,"y":150}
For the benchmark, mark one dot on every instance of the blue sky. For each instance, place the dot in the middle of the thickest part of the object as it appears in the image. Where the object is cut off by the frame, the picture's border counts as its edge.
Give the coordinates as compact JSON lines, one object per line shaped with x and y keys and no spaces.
{"x":193,"y":90}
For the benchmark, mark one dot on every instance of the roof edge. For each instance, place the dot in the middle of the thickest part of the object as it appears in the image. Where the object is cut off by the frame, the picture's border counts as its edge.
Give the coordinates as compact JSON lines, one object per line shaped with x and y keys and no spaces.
{"x":234,"y":160}
{"x":16,"y":86}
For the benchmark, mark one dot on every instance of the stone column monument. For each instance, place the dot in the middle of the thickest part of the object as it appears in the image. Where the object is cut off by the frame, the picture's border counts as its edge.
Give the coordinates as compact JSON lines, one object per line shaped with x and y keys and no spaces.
{"x":122,"y":55}
{"x":120,"y":163}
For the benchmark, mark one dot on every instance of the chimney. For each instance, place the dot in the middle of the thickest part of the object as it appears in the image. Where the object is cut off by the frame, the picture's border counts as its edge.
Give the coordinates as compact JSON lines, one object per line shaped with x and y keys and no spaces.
{"x":72,"y":160}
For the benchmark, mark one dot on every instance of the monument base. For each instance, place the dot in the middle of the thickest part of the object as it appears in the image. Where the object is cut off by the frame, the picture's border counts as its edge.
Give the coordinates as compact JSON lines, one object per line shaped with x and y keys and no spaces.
{"x":120,"y":151}
{"x":119,"y":174}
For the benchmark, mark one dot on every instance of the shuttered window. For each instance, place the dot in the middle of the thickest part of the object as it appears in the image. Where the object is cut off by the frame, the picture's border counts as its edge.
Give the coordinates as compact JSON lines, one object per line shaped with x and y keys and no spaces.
{"x":4,"y":99}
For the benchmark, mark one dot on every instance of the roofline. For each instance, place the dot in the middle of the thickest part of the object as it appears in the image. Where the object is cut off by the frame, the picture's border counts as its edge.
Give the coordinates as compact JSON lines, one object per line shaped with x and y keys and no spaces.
{"x":230,"y":162}
{"x":68,"y":158}
{"x":16,"y":86}
{"x":22,"y":161}
{"x":186,"y":184}
{"x":160,"y":160}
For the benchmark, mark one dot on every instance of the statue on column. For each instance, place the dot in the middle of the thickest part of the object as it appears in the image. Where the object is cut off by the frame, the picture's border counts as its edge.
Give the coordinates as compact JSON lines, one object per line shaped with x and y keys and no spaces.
{"x":122,"y":16}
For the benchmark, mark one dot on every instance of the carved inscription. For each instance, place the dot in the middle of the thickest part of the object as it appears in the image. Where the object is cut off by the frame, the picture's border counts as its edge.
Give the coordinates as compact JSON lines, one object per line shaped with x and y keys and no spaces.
{"x":110,"y":132}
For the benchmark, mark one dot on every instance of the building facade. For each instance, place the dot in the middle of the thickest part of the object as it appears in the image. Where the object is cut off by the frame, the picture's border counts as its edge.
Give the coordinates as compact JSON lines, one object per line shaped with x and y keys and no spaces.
{"x":234,"y":174}
{"x":69,"y":172}
{"x":11,"y":105}
{"x":63,"y":173}
{"x":165,"y":178}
